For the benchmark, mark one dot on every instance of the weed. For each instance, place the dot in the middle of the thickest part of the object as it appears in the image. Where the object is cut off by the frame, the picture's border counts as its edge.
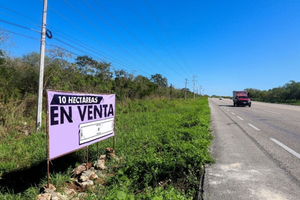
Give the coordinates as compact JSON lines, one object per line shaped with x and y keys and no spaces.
{"x":163,"y":145}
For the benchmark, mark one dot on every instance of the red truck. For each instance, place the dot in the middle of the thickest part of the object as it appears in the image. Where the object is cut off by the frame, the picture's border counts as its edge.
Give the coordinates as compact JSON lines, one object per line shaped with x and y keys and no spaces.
{"x":241,"y":98}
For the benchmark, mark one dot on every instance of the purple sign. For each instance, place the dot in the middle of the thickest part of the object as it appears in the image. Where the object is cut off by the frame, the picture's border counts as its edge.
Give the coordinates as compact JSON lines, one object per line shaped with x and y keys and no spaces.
{"x":78,"y":120}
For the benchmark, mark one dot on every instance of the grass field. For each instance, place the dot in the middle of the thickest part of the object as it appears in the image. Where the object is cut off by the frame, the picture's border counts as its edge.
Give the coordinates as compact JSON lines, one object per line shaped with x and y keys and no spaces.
{"x":162,"y":144}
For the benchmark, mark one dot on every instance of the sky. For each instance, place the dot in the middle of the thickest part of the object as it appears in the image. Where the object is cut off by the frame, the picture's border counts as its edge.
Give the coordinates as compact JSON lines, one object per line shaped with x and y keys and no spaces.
{"x":217,"y":45}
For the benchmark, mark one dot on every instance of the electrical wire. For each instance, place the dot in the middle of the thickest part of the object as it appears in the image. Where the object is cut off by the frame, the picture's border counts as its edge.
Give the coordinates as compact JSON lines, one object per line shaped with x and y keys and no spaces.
{"x":134,"y":36}
{"x":21,"y":19}
{"x":89,"y":48}
{"x":116,"y":61}
{"x":67,"y":36}
{"x":152,"y":32}
{"x":89,"y":35}
{"x":14,"y":24}
{"x":86,"y":53}
{"x":19,"y":14}
{"x":167,"y":35}
{"x":107,"y":36}
{"x":121,"y":36}
{"x":21,"y":34}
{"x":80,"y":50}
{"x":40,"y":32}
{"x":93,"y":37}
{"x":59,"y":40}
{"x":58,"y":47}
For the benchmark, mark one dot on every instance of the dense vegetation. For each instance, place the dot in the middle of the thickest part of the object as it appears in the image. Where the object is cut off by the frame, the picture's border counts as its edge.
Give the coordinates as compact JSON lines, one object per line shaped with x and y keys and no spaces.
{"x":19,"y":77}
{"x":161,"y":138}
{"x":161,"y":142}
{"x":289,"y":93}
{"x":19,"y":83}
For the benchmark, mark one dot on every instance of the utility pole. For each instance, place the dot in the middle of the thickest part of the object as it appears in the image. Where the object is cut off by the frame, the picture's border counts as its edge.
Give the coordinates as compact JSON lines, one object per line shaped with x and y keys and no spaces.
{"x":200,"y":89}
{"x":41,"y":71}
{"x":194,"y":85}
{"x":185,"y":89}
{"x":171,"y":92}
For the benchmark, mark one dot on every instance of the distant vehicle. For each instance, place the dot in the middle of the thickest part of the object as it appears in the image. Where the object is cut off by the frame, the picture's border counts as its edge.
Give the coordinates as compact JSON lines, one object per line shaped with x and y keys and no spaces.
{"x":221,"y":98}
{"x":241,"y":98}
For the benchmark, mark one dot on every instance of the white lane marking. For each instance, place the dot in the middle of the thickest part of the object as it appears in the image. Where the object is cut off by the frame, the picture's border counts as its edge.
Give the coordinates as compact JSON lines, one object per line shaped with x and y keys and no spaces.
{"x":273,"y":112}
{"x":232,"y":113}
{"x":253,"y":127}
{"x":239,"y":117}
{"x":286,"y":148}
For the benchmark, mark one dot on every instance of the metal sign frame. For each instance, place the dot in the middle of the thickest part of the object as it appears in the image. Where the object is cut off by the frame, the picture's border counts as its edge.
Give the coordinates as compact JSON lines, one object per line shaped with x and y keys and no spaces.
{"x":109,"y":124}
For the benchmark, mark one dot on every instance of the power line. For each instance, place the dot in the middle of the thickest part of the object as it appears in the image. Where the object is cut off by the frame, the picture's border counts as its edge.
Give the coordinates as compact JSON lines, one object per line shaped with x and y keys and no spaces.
{"x":59,"y":40}
{"x":167,"y":35}
{"x":53,"y":38}
{"x":67,"y":38}
{"x":87,"y":53}
{"x":71,"y":46}
{"x":84,"y":32}
{"x":21,"y":19}
{"x":21,"y":34}
{"x":134,"y":36}
{"x":37,"y":25}
{"x":14,"y":24}
{"x":20,"y":14}
{"x":81,"y":50}
{"x":63,"y":48}
{"x":76,"y":53}
{"x":86,"y":46}
{"x":122,"y":37}
{"x":88,"y":35}
{"x":59,"y":46}
{"x":89,"y":48}
{"x":152,"y":32}
{"x":106,"y":35}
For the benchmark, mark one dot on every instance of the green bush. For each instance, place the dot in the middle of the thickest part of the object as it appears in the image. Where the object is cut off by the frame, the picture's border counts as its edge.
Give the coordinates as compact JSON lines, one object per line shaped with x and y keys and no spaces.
{"x":163,"y":145}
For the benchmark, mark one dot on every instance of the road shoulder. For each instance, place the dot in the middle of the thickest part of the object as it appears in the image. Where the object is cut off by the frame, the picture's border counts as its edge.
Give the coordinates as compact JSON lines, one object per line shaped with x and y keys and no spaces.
{"x":242,"y":170}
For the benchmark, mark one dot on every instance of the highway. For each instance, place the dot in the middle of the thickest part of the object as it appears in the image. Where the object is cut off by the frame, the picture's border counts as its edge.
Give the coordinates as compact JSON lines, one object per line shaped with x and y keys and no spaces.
{"x":257,"y":151}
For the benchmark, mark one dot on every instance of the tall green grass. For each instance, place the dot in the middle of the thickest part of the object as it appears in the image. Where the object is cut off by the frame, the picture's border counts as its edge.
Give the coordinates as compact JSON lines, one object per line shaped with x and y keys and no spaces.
{"x":163,"y":145}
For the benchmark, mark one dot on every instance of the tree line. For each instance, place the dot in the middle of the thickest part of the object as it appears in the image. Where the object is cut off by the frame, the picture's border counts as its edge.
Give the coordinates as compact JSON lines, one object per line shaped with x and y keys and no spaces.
{"x":19,"y":77}
{"x":288,"y":93}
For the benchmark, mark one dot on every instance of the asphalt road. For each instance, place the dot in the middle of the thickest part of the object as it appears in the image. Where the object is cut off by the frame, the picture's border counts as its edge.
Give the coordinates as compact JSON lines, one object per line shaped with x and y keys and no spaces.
{"x":257,"y":152}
